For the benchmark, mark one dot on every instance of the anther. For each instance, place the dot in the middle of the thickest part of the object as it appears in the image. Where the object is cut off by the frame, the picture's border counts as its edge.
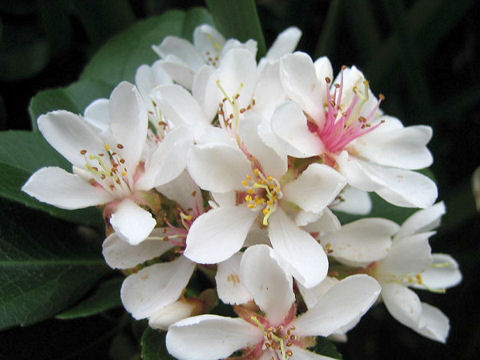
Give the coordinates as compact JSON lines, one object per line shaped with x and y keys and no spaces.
{"x":83,"y":152}
{"x":119,"y":146}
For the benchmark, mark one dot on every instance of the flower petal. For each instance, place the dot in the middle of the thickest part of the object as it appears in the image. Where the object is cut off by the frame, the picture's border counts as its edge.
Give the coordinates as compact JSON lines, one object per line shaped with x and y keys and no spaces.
{"x":128,"y":122}
{"x":218,"y":234}
{"x":184,"y":192}
{"x":156,"y":286}
{"x":315,"y":188}
{"x":326,"y":222}
{"x":323,"y":69}
{"x":273,"y":164}
{"x":208,"y":103}
{"x":290,"y":125}
{"x":421,"y":221}
{"x":264,"y":277}
{"x":402,"y":303}
{"x":69,"y":134}
{"x":362,"y":241}
{"x":180,"y":72}
{"x":218,"y":167}
{"x":170,"y":314}
{"x":121,"y":255}
{"x":97,"y":115}
{"x":284,"y":44}
{"x":304,"y":256}
{"x":149,"y":77}
{"x":443,"y":273}
{"x":59,"y":188}
{"x":303,"y":354}
{"x":412,"y":255}
{"x":312,"y":295}
{"x":210,"y":337}
{"x":342,"y":303}
{"x":132,"y":223}
{"x":179,"y":106}
{"x":181,"y":49}
{"x":354,"y":201}
{"x":357,"y":174}
{"x":301,"y":84}
{"x":269,"y":91}
{"x":208,"y":40}
{"x":401,"y":148}
{"x":229,"y":287}
{"x":435,"y":324}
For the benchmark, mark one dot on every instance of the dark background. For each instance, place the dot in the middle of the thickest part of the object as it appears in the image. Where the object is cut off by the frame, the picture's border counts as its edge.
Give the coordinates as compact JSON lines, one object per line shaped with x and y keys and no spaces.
{"x":423,"y":55}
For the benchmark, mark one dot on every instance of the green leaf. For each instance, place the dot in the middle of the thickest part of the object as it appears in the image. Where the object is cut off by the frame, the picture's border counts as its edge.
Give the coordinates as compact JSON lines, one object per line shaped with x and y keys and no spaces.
{"x":153,"y":345}
{"x":17,"y":163}
{"x":74,"y":98}
{"x":238,"y":19}
{"x":105,"y":297}
{"x":45,"y":266}
{"x":326,"y":348}
{"x":120,"y":57}
{"x":326,"y":41}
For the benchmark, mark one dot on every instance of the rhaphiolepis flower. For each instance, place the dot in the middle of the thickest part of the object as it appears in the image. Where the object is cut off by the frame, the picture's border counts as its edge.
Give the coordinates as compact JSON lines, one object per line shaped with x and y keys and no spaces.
{"x":272,"y":331}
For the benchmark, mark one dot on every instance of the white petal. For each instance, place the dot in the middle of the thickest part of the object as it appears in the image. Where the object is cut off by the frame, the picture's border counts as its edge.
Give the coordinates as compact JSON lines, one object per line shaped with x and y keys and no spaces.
{"x":343,"y":303}
{"x":269,"y":91}
{"x":301,"y":84}
{"x":326,"y":222}
{"x":354,"y":201}
{"x":178,"y":71}
{"x":312,"y":295}
{"x":402,"y":303}
{"x":403,"y":187}
{"x":132,"y":223}
{"x":229,"y":287}
{"x":210,"y":337}
{"x":168,"y":161}
{"x":264,"y":277}
{"x":290,"y":125}
{"x":224,"y":199}
{"x":443,"y":273}
{"x":179,"y":106}
{"x":149,"y":77}
{"x":402,"y":148}
{"x":128,"y":122}
{"x":57,"y":187}
{"x":323,"y":69}
{"x":412,"y":255}
{"x":421,"y":221}
{"x":121,"y":255}
{"x":273,"y":164}
{"x":180,"y":48}
{"x":218,"y":234}
{"x":183,"y":191}
{"x":208,"y":103}
{"x":304,"y":256}
{"x":147,"y":291}
{"x":284,"y":44}
{"x":357,"y":174}
{"x":218,"y":167}
{"x":170,"y":314}
{"x":97,"y":115}
{"x":208,"y":41}
{"x":435,"y":324}
{"x":303,"y":354}
{"x":361,"y":241}
{"x":69,"y":134}
{"x":315,"y":188}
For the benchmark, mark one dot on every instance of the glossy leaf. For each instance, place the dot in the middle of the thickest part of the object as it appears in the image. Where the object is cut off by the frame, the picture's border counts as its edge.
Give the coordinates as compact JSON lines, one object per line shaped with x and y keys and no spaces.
{"x":45,"y":266}
{"x":153,"y":345}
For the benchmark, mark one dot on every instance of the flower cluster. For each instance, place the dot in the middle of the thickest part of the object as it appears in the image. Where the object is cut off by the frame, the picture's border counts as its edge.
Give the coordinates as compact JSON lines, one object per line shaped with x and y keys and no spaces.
{"x":217,"y":166}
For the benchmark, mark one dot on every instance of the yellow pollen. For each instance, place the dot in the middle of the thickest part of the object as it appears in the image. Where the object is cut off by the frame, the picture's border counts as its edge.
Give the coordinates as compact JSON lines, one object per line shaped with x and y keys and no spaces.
{"x":107,"y":147}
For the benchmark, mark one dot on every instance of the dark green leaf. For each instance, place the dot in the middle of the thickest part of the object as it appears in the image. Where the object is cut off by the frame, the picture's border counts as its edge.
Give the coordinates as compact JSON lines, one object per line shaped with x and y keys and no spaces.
{"x":105,"y":297}
{"x":17,"y":163}
{"x":327,"y":37}
{"x":326,"y":348}
{"x":45,"y":266}
{"x":103,"y":19}
{"x":74,"y":98}
{"x":55,"y":19}
{"x":238,"y":19}
{"x":120,"y":57}
{"x":153,"y":345}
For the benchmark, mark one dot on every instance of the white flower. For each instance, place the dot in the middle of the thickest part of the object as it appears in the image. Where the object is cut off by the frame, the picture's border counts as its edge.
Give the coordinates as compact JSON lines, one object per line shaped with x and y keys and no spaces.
{"x":108,"y":167}
{"x":410,"y":263}
{"x":255,"y":185}
{"x":342,"y":123}
{"x":274,"y":331}
{"x":183,"y":60}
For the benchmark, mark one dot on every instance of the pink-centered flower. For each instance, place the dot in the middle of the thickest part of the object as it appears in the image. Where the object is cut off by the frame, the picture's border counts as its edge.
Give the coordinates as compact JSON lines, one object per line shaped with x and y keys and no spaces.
{"x":341,"y":122}
{"x":274,"y":331}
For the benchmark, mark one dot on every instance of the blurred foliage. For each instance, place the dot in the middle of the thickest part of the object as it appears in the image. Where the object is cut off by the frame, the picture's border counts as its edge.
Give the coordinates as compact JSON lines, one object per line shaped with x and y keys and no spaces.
{"x":422,"y":54}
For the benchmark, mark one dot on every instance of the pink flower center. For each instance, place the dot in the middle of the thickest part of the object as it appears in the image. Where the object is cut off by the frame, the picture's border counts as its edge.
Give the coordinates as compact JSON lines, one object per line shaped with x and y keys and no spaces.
{"x":341,"y":125}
